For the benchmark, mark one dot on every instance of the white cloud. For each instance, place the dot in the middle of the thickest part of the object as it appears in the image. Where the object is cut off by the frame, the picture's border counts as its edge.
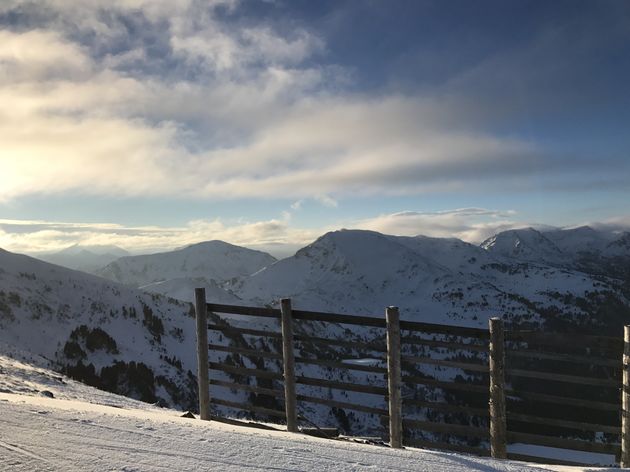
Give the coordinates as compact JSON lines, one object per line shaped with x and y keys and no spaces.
{"x":469,"y":224}
{"x":248,"y":113}
{"x":275,"y":235}
{"x":258,"y":125}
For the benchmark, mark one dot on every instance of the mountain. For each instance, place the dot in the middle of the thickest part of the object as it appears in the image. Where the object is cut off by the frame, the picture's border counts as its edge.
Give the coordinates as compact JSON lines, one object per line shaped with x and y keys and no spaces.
{"x":143,"y":344}
{"x":596,"y":252}
{"x":527,"y":245}
{"x":184,"y":269}
{"x":104,"y":333}
{"x":85,"y":258}
{"x":518,"y":275}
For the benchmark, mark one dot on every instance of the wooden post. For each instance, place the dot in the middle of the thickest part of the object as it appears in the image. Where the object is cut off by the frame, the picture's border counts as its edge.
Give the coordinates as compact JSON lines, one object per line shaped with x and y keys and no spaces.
{"x":201,"y":309}
{"x":393,"y":376}
{"x":288,"y":360}
{"x":498,"y":426}
{"x":625,"y":401}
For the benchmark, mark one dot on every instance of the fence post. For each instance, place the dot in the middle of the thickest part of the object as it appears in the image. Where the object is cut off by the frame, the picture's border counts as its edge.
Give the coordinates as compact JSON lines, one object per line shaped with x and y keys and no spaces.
{"x":625,"y":401}
{"x":392,"y":318}
{"x":288,"y":361}
{"x":201,"y":310}
{"x":498,"y":426}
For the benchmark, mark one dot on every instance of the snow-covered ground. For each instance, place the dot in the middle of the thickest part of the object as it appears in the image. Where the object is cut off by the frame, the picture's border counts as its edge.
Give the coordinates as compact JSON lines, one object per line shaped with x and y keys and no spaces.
{"x":84,"y":429}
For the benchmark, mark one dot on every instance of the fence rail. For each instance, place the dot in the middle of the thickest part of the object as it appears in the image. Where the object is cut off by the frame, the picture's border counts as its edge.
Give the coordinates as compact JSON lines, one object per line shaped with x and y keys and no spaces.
{"x":498,"y":369}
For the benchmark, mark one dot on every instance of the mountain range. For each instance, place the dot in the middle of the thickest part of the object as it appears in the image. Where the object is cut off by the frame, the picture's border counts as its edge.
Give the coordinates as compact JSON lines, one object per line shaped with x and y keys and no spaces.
{"x":109,"y":331}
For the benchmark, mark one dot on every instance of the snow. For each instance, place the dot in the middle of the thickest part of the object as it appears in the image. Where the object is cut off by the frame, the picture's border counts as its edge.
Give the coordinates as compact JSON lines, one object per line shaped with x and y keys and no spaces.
{"x":354,"y":272}
{"x":83,"y":429}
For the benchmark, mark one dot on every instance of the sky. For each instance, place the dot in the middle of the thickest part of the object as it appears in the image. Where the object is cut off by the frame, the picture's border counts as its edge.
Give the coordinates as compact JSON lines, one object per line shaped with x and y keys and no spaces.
{"x":153,"y":124}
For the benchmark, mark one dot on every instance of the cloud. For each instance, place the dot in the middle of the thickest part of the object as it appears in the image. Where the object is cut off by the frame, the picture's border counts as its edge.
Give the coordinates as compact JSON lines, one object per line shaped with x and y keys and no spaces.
{"x":148,"y":97}
{"x":469,"y":224}
{"x":35,"y":236}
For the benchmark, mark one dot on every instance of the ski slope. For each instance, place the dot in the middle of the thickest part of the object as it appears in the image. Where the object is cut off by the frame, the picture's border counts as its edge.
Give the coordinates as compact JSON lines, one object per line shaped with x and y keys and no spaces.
{"x":84,"y":429}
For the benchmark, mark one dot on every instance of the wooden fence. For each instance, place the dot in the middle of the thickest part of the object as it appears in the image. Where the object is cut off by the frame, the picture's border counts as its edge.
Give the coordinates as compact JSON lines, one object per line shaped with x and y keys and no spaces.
{"x":509,"y":387}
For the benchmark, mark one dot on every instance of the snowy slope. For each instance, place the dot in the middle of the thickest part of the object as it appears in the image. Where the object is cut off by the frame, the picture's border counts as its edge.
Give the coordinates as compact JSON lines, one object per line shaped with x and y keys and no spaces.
{"x":83,"y":429}
{"x":212,"y":260}
{"x":525,"y":245}
{"x":90,"y":326}
{"x":183,"y":289}
{"x":85,"y":258}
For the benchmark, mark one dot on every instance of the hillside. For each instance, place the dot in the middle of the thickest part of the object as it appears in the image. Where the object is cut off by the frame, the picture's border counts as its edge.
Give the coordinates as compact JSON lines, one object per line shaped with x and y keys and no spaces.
{"x":110,"y":335}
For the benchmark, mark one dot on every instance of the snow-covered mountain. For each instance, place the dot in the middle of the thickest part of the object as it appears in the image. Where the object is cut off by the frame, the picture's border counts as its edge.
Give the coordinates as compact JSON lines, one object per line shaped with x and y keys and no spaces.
{"x":109,"y":335}
{"x":519,"y":276}
{"x":85,"y":258}
{"x":585,"y":249}
{"x":184,"y":269}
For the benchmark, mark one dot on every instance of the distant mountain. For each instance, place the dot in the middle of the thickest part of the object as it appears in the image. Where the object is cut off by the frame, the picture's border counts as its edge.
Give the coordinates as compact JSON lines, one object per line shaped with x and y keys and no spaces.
{"x":596,"y":252}
{"x":204,"y":263}
{"x":525,"y":245}
{"x":85,"y":258}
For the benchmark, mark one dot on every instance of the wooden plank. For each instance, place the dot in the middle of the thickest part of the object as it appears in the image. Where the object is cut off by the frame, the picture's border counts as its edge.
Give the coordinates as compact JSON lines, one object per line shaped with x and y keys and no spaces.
{"x":562,"y":443}
{"x":377,"y":347}
{"x":460,"y":365}
{"x":564,"y":423}
{"x":457,"y":429}
{"x":565,"y":339}
{"x":248,"y":388}
{"x":247,"y":424}
{"x":246,"y":331}
{"x":247,"y":352}
{"x":341,"y":385}
{"x":249,"y":407}
{"x":587,"y":360}
{"x":288,"y":365}
{"x":346,"y":405}
{"x":442,"y":446}
{"x":532,"y":374}
{"x":447,"y":407}
{"x":498,"y":425}
{"x":541,"y":397}
{"x":466,"y":387}
{"x":341,"y":365}
{"x":337,"y":318}
{"x":244,"y":310}
{"x":326,"y":433}
{"x":544,"y":460}
{"x":444,"y":344}
{"x":476,"y":333}
{"x":232,"y":369}
{"x":203,"y":386}
{"x":392,"y":318}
